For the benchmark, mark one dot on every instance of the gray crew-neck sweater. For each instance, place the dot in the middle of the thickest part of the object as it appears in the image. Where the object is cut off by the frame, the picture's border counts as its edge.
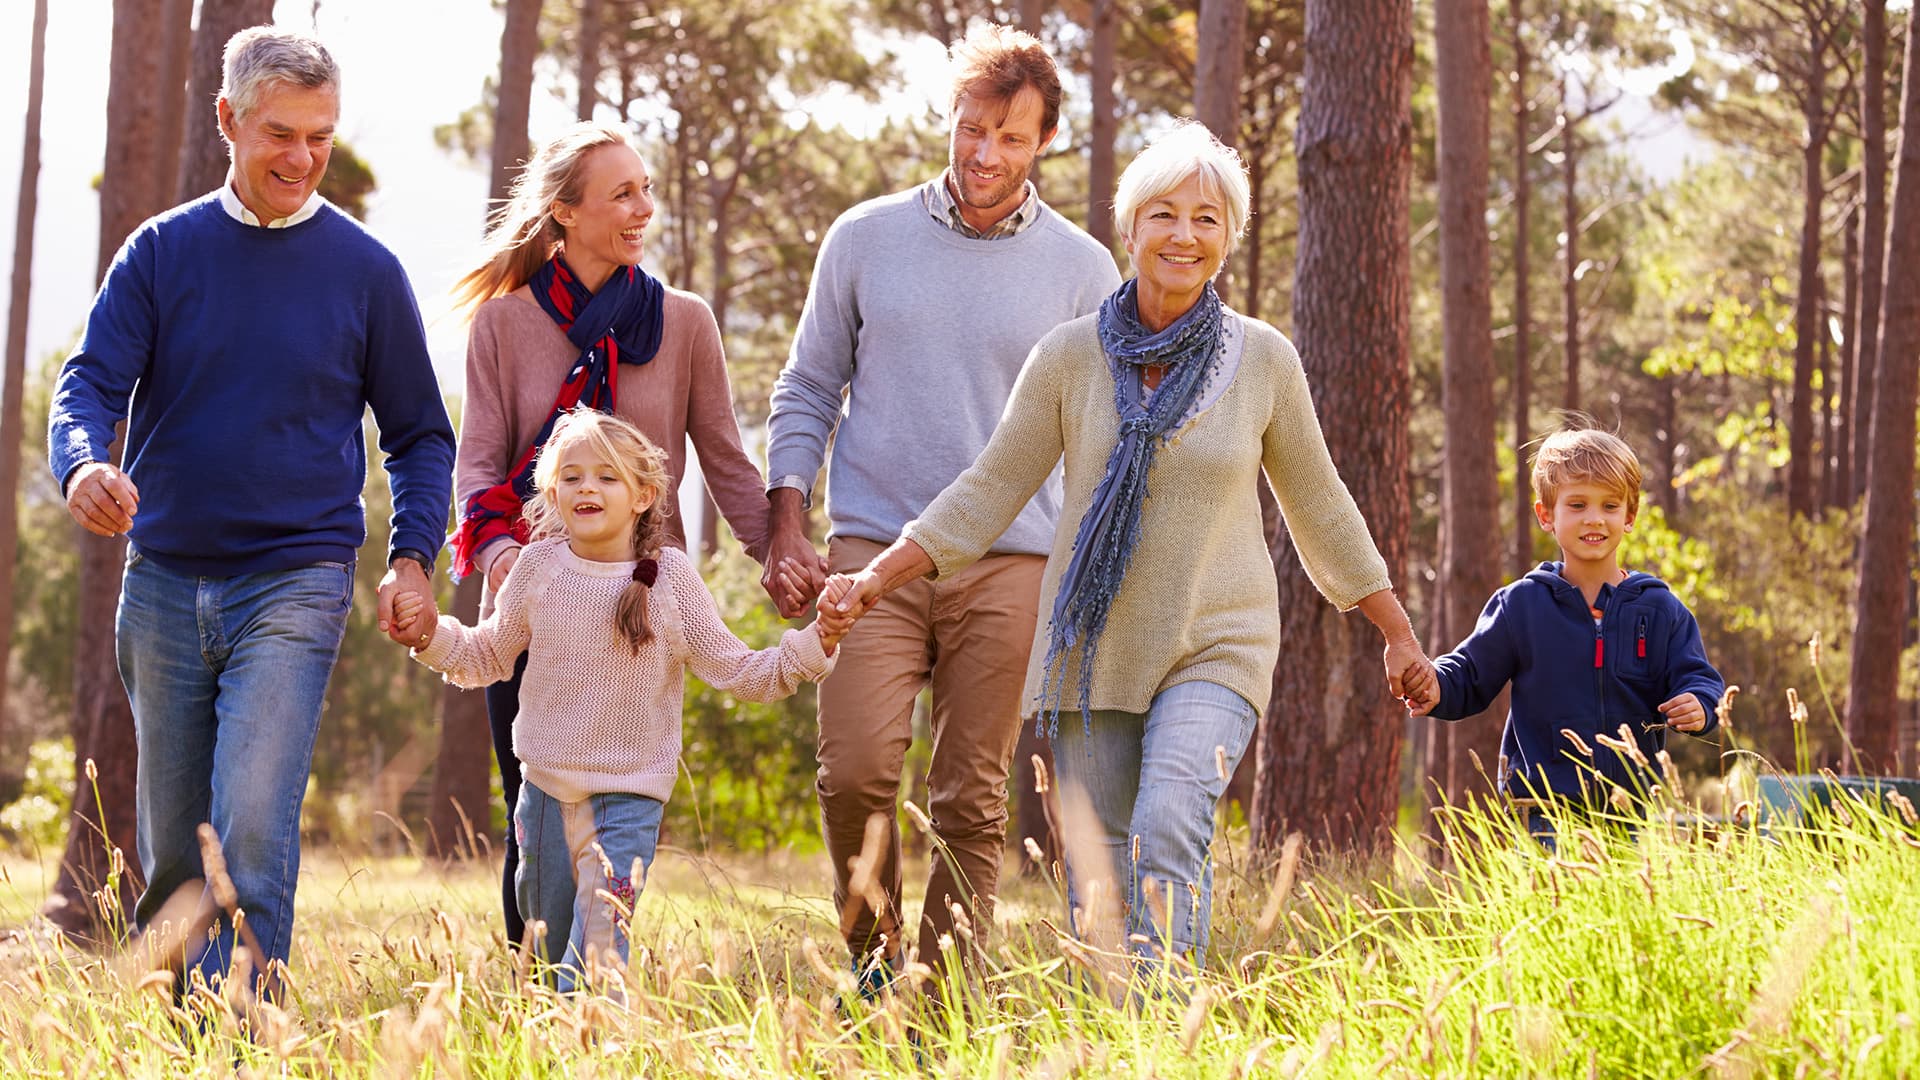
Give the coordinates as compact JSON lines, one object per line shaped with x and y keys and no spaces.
{"x":922,"y":332}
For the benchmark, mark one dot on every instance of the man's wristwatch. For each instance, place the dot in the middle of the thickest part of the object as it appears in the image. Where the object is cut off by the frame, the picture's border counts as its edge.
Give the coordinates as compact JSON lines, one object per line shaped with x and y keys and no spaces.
{"x":415,"y":554}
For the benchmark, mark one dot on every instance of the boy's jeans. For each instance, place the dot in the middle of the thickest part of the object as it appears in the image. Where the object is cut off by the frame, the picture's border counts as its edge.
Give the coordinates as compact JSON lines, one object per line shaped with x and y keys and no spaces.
{"x":1156,"y":777}
{"x":227,"y":677}
{"x":569,"y":853}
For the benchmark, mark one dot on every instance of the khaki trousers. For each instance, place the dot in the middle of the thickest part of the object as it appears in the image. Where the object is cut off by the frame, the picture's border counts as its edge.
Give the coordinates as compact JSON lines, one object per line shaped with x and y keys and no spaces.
{"x":968,"y":637}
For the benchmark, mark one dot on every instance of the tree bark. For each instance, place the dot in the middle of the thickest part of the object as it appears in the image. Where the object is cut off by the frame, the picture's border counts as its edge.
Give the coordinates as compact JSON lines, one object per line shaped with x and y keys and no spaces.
{"x":1220,"y":56}
{"x":1873,"y":235}
{"x":1103,"y":128}
{"x":1469,"y":485}
{"x":1840,"y":489}
{"x":519,"y":41}
{"x":1805,"y":309}
{"x":1523,"y":521}
{"x":25,"y":212}
{"x":176,"y":54}
{"x":1880,"y":612}
{"x":459,"y":810}
{"x":1570,"y":222}
{"x":1329,"y":750}
{"x":588,"y":58}
{"x":203,"y":153}
{"x":101,"y":829}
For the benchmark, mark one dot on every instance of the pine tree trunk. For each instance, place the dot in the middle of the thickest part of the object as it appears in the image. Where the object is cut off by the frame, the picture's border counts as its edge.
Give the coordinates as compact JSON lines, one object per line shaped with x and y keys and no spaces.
{"x":1469,"y":486}
{"x":519,"y":41}
{"x":100,"y":836}
{"x":1523,"y":521}
{"x":176,"y":54}
{"x":1840,"y":489}
{"x":1873,"y":235}
{"x":1806,"y":310}
{"x":1880,"y":613}
{"x":1570,"y":222}
{"x":587,"y":58}
{"x":459,"y":809}
{"x":1329,"y":750}
{"x":1103,"y":128}
{"x":11,"y":381}
{"x":203,"y":154}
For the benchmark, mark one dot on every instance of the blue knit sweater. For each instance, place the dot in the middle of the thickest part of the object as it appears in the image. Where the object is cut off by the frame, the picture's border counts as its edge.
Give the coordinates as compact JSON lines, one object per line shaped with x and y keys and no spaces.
{"x":1538,"y":634}
{"x":243,"y":360}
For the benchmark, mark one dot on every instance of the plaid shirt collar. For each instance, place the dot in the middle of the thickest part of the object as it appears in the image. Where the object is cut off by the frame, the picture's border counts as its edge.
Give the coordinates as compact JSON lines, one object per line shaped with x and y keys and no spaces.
{"x":945,"y":209}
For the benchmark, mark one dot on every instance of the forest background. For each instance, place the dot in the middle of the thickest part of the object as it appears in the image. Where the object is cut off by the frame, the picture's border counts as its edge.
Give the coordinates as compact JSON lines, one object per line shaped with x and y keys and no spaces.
{"x":1673,"y":215}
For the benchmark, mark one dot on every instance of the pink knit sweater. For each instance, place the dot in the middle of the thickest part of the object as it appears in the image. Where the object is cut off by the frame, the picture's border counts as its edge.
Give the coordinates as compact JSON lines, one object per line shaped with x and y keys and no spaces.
{"x":516,"y":359}
{"x":595,"y":718}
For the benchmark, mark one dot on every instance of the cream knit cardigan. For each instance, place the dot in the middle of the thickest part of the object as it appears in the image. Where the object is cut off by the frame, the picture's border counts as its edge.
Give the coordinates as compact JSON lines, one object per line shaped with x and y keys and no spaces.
{"x":1199,"y":602}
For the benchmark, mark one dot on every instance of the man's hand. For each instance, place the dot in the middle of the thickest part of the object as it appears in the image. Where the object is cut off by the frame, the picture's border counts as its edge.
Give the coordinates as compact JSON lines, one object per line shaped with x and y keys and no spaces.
{"x":1684,"y":713}
{"x":102,"y":499}
{"x":795,"y":571}
{"x":403,"y":576}
{"x":408,"y":611}
{"x":497,"y":573}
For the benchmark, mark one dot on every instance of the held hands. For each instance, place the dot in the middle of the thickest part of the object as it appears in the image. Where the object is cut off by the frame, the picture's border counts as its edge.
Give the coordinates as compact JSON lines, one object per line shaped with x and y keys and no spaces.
{"x":406,"y":578}
{"x":795,"y":571}
{"x":1411,"y":676}
{"x":842,"y":601}
{"x":414,"y":619}
{"x":102,"y":499}
{"x":1684,"y":713}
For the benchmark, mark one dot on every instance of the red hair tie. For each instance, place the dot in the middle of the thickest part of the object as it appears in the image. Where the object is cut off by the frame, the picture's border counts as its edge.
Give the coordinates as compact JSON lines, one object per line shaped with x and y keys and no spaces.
{"x":646,"y":572}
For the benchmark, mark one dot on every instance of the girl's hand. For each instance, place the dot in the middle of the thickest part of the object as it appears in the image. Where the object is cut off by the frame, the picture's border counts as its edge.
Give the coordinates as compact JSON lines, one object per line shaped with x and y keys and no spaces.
{"x":1684,"y":713}
{"x":831,"y":623}
{"x":414,"y":613}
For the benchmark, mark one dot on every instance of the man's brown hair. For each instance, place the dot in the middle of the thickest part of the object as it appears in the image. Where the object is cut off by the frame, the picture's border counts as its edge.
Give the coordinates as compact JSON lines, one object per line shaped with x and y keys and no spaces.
{"x":994,"y":62}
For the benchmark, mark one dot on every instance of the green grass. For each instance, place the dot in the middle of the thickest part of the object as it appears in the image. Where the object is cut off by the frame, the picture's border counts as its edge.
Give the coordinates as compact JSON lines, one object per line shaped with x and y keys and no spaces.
{"x":1670,"y":952}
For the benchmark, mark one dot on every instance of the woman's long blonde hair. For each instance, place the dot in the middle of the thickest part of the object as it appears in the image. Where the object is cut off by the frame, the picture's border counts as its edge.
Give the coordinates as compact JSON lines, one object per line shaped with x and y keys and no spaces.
{"x":642,"y":467}
{"x":523,"y":233}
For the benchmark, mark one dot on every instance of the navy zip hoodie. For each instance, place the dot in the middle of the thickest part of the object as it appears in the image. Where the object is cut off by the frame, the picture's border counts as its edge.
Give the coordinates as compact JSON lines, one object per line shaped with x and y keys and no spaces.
{"x":1538,"y":634}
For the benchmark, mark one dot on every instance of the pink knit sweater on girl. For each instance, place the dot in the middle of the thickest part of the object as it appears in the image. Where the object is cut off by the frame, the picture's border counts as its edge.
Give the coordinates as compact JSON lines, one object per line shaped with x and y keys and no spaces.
{"x":594,"y":716}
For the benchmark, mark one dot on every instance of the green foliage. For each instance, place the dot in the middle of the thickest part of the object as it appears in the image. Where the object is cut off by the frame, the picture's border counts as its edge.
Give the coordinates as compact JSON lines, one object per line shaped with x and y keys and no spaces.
{"x":747,"y":780}
{"x":348,"y":180}
{"x":46,"y":580}
{"x":36,"y":821}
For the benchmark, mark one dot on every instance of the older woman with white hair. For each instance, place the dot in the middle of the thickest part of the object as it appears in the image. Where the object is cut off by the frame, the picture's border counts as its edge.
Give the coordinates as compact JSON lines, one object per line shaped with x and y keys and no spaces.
{"x":1165,"y":623}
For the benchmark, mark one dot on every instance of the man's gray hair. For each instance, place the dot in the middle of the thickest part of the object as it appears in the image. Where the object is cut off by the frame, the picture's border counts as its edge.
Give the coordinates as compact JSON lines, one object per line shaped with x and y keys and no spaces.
{"x":261,"y":55}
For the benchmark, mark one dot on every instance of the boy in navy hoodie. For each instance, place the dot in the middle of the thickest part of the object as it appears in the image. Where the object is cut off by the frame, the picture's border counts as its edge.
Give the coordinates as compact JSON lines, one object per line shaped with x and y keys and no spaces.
{"x":1587,"y":646}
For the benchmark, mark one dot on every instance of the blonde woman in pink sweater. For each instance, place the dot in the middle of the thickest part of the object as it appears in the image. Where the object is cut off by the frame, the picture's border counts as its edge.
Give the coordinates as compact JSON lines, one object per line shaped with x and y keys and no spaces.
{"x":610,"y":616}
{"x":563,"y":316}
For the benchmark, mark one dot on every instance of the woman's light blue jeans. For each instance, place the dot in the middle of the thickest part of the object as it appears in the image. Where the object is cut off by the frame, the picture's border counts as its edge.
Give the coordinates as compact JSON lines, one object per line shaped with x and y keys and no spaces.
{"x":227,"y":677}
{"x":1152,"y":781}
{"x":570,"y":853}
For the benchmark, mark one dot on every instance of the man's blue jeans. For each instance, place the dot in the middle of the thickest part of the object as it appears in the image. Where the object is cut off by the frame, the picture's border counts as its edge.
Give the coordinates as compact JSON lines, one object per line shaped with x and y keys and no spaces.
{"x":571,"y":853}
{"x":1152,"y":781}
{"x":227,"y":677}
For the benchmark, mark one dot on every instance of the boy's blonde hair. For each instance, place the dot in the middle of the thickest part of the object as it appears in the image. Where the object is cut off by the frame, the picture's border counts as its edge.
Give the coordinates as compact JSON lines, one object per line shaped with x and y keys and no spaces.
{"x":1585,"y":454}
{"x":642,"y":467}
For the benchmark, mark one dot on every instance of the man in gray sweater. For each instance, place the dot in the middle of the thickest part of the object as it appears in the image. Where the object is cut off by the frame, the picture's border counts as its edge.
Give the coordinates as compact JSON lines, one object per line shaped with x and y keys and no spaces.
{"x":923,"y":307}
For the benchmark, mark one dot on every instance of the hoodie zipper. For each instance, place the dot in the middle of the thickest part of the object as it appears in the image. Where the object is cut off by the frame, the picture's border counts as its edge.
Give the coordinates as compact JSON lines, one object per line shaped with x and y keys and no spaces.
{"x":1640,"y":638}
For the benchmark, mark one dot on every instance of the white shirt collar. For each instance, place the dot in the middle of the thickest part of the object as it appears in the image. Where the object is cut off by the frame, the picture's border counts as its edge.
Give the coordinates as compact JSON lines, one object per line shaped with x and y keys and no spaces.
{"x":237,"y":210}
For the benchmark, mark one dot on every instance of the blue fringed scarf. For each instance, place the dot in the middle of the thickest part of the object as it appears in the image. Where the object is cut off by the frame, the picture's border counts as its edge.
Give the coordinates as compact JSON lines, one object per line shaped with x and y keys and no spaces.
{"x":1111,"y":528}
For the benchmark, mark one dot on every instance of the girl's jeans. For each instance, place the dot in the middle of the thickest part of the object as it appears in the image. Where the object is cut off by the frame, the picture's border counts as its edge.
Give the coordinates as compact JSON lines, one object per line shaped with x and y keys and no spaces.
{"x":1152,"y":780}
{"x":570,"y":852}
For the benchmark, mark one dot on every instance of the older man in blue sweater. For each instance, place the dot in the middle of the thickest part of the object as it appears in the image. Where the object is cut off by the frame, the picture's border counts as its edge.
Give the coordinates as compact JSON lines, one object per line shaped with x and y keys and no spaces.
{"x":242,"y":337}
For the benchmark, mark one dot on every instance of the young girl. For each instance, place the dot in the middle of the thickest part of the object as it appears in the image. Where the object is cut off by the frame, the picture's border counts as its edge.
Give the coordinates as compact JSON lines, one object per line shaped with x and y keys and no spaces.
{"x":609,"y":617}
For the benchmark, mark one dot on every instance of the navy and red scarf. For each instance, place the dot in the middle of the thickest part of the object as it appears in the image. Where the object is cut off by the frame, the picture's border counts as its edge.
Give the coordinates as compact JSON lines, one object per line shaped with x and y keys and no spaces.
{"x":620,"y":324}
